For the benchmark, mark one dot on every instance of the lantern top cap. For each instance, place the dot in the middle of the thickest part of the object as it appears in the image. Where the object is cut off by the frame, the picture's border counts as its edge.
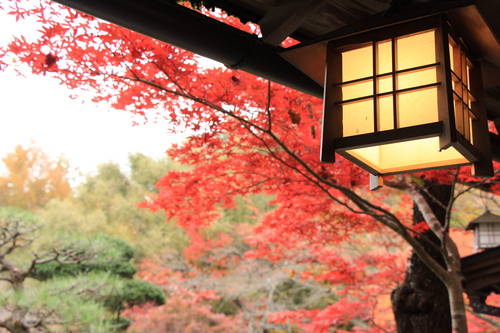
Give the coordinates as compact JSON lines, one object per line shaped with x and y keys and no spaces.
{"x":310,"y":57}
{"x":487,"y":217}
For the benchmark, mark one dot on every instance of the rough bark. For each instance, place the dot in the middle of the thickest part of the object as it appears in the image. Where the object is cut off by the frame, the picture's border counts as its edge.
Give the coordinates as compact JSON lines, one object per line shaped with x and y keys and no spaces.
{"x":421,"y":303}
{"x":17,"y":320}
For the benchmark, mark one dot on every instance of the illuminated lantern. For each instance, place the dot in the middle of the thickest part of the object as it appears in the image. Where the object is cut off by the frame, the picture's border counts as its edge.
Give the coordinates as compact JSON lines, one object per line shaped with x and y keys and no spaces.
{"x":486,"y":231}
{"x":403,"y":92}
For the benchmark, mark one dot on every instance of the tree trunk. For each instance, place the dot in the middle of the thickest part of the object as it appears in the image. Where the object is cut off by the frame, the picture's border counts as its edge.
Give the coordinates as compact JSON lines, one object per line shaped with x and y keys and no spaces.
{"x":18,"y":320}
{"x":421,"y":304}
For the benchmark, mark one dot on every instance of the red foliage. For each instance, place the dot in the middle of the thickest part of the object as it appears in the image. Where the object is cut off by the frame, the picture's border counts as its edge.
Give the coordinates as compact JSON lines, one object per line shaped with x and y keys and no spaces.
{"x":183,"y":312}
{"x":356,"y":280}
{"x":338,"y":315}
{"x":420,"y":228}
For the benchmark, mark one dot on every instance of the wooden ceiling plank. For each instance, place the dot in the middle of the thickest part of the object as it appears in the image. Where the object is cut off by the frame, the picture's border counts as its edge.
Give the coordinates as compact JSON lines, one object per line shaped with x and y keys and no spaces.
{"x":479,"y":263}
{"x":284,"y":19}
{"x":482,"y":283}
{"x":479,"y":274}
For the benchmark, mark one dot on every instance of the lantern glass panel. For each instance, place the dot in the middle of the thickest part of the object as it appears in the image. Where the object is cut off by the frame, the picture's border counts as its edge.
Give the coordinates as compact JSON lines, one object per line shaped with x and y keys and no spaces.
{"x":384,"y":57}
{"x":357,"y":118}
{"x":401,"y":156}
{"x":462,"y":96}
{"x":369,"y":92}
{"x":357,"y":63}
{"x":417,"y":107}
{"x":415,"y":50}
{"x":385,"y":113}
{"x":384,"y":84}
{"x":416,"y":78}
{"x":489,"y":235}
{"x":357,"y":90}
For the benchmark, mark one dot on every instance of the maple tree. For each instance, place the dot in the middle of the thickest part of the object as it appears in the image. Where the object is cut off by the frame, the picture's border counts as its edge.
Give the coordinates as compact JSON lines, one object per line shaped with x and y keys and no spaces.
{"x":308,"y":289}
{"x":219,"y":284}
{"x":247,"y":135}
{"x":32,"y":178}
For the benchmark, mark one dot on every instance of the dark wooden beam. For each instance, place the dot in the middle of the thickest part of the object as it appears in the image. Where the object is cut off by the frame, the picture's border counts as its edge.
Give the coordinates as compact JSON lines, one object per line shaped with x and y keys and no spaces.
{"x":482,"y":279}
{"x":495,"y":146}
{"x":389,"y":136}
{"x":284,"y":19}
{"x":477,"y":302}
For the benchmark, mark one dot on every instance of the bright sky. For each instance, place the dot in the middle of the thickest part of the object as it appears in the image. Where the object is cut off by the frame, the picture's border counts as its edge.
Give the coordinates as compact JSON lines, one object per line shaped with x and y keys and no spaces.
{"x":37,"y":108}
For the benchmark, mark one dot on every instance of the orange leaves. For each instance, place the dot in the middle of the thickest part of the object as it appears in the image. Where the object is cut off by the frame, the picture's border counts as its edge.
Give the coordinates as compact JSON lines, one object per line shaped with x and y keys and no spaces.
{"x":32,"y":178}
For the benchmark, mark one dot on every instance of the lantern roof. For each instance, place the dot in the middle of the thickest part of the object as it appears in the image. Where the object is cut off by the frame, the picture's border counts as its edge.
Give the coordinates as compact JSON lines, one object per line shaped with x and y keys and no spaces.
{"x":487,"y":217}
{"x":310,"y":57}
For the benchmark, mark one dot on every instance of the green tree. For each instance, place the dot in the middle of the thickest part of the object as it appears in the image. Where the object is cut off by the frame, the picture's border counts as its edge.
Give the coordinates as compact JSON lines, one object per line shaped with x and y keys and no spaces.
{"x":146,"y":171}
{"x":69,"y":216}
{"x":99,"y":191}
{"x":83,"y":283}
{"x":113,"y":195}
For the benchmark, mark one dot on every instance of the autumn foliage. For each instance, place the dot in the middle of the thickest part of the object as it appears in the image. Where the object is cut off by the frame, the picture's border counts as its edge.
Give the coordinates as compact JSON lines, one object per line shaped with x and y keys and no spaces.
{"x":246,"y":136}
{"x":339,"y":287}
{"x":32,"y":178}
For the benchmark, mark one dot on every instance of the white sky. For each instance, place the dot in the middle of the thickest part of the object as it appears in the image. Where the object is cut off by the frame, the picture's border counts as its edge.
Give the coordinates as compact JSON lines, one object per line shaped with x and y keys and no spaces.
{"x":38,"y":108}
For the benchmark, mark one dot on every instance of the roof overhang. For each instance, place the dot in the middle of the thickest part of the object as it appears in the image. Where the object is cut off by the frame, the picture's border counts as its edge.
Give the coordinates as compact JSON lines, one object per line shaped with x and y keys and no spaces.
{"x":310,"y":57}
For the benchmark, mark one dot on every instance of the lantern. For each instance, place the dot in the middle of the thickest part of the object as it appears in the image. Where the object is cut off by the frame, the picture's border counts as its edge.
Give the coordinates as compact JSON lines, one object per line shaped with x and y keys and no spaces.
{"x":486,"y":231}
{"x":403,"y":91}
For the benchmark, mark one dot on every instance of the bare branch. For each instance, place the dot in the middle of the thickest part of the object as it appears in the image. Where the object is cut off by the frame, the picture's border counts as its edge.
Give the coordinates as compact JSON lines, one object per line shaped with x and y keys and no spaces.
{"x":429,"y":216}
{"x":5,"y":278}
{"x":268,"y":108}
{"x":486,"y":318}
{"x":448,"y":208}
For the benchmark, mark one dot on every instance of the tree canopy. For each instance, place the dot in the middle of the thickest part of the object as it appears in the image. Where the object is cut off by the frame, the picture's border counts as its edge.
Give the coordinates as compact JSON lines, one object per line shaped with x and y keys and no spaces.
{"x":32,"y":178}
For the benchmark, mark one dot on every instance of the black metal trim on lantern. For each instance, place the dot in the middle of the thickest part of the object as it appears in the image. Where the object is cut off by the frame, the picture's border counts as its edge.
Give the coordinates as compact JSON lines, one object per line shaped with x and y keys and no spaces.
{"x":417,"y":168}
{"x":378,"y":76}
{"x":464,"y":147}
{"x":390,"y":136}
{"x":343,"y":146}
{"x":357,"y":99}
